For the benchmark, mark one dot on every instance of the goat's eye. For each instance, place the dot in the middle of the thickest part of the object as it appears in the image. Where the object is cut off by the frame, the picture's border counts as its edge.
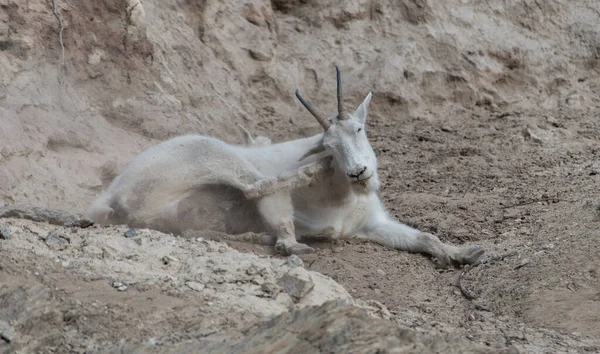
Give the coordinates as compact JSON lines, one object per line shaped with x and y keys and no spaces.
{"x":359,"y":130}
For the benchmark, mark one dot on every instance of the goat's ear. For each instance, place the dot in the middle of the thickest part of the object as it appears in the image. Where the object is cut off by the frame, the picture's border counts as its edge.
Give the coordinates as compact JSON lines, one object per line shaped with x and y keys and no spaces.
{"x":247,"y":136}
{"x":314,"y":150}
{"x":361,"y":112}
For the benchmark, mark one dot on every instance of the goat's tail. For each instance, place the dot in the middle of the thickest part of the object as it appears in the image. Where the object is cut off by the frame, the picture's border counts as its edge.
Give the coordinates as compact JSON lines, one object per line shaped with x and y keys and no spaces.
{"x":100,"y":210}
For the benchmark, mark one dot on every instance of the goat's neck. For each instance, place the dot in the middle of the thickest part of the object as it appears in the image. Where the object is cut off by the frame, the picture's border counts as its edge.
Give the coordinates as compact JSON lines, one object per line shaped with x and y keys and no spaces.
{"x":337,"y":185}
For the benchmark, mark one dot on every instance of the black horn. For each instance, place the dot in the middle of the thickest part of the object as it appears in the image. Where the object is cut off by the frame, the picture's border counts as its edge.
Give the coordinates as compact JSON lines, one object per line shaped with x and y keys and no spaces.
{"x":324,"y":122}
{"x":340,"y":98}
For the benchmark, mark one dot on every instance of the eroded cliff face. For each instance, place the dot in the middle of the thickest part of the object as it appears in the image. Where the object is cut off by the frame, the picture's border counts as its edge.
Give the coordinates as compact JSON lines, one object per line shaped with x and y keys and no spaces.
{"x":134,"y":73}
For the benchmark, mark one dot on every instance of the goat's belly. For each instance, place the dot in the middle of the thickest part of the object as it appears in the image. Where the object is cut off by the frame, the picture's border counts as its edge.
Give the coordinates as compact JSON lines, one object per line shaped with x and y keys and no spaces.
{"x":332,"y":220}
{"x":219,"y":208}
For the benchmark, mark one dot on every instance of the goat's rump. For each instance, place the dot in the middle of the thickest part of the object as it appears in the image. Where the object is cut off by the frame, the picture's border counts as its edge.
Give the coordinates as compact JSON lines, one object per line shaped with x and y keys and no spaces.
{"x":214,"y":207}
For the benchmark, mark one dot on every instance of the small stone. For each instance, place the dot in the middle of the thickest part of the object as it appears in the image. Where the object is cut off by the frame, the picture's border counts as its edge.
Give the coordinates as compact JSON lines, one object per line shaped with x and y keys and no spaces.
{"x":130,"y":233}
{"x":294,"y":261}
{"x":7,"y":333}
{"x":4,"y":233}
{"x":252,"y":15}
{"x":447,"y":129}
{"x":119,"y":286}
{"x":380,"y":272}
{"x":297,"y":284}
{"x":79,"y":222}
{"x":270,"y":289}
{"x":482,"y":307}
{"x":152,"y":341}
{"x":259,"y":55}
{"x":169,"y":259}
{"x":195,"y":285}
{"x":52,"y":239}
{"x":523,"y":262}
{"x":200,"y":239}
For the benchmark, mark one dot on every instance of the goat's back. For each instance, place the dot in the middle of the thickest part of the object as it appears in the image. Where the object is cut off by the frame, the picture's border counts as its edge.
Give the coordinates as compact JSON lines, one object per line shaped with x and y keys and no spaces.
{"x":182,"y":183}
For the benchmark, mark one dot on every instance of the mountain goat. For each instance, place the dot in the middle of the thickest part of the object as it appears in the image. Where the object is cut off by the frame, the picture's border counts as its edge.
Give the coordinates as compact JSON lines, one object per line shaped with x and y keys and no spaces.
{"x":324,"y":185}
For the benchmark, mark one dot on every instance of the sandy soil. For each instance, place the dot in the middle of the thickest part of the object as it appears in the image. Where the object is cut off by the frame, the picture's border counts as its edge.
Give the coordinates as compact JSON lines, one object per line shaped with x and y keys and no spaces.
{"x":485,"y":118}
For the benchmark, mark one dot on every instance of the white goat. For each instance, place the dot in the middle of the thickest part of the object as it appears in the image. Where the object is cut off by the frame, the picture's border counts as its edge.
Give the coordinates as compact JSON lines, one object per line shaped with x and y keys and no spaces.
{"x":325,"y":185}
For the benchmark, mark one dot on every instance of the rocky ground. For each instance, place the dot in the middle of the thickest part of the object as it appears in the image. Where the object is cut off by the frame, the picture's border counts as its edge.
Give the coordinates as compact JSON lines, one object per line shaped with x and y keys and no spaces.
{"x":484,"y":118}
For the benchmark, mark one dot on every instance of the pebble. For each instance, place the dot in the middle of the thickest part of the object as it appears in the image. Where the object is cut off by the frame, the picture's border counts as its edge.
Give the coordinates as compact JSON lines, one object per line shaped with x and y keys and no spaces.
{"x":130,"y":233}
{"x":523,"y":262}
{"x":169,"y":259}
{"x":296,"y":284}
{"x":548,"y":246}
{"x":4,"y":233}
{"x":195,"y":285}
{"x":7,"y":333}
{"x":119,"y":286}
{"x":381,"y":272}
{"x":52,"y":239}
{"x":294,"y":261}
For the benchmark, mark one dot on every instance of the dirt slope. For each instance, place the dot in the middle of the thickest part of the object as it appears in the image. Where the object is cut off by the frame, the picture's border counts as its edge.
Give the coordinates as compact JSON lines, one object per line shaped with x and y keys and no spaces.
{"x":484,"y":117}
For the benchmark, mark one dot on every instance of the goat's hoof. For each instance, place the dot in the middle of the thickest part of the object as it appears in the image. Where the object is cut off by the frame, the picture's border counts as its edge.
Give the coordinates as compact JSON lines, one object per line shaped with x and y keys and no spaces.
{"x":468,"y":255}
{"x":301,"y":249}
{"x":296,"y":248}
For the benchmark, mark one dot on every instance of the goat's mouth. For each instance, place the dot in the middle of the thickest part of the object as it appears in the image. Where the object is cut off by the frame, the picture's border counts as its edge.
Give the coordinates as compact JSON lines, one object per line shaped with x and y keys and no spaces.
{"x":362,"y":181}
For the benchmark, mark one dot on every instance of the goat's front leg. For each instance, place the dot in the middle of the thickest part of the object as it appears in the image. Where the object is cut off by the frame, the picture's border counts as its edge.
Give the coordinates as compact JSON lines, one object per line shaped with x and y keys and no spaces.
{"x":277,"y":212}
{"x":394,"y":234}
{"x":305,"y":176}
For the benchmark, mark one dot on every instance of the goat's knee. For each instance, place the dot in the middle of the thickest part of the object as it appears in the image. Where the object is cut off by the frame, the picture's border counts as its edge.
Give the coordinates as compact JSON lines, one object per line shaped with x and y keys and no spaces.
{"x":260,"y":188}
{"x":303,"y":177}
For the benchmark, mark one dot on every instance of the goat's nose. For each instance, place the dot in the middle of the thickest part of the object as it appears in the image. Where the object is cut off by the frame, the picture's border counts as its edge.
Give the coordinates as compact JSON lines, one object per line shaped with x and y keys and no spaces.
{"x":356,"y":174}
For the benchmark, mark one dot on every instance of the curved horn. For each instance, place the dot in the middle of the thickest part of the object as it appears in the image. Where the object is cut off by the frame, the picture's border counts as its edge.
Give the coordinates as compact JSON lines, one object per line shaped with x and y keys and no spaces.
{"x":341,"y":111}
{"x":324,"y":122}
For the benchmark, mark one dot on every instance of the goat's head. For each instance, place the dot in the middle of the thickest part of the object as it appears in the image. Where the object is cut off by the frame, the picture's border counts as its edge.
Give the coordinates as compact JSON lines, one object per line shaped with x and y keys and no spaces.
{"x":345,"y":138}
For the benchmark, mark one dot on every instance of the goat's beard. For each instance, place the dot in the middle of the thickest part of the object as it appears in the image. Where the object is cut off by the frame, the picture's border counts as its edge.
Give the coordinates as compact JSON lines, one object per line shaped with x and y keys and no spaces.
{"x":368,"y":185}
